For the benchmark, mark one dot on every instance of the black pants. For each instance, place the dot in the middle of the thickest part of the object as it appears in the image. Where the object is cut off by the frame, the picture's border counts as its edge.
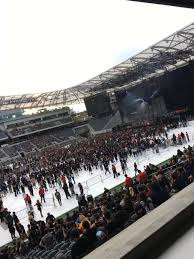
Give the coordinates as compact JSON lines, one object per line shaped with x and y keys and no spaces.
{"x":59,"y":201}
{"x":40,"y":212}
{"x":67,"y":194}
{"x":115,"y":174}
{"x":42,"y":198}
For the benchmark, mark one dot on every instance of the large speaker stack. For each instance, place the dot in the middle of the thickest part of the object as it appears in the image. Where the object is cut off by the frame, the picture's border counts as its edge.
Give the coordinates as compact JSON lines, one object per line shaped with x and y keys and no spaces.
{"x":98,"y":105}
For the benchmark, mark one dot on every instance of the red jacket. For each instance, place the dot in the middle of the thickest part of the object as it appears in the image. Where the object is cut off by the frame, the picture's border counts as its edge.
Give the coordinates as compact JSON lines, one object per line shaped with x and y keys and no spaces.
{"x":142,"y":177}
{"x":128,"y":181}
{"x":41,"y":191}
{"x":27,"y":198}
{"x":113,"y":168}
{"x":63,"y":179}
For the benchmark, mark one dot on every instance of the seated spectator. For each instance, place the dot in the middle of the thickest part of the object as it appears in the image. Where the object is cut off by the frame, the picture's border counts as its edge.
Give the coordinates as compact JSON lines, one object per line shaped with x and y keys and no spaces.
{"x":85,"y":241}
{"x":47,"y":241}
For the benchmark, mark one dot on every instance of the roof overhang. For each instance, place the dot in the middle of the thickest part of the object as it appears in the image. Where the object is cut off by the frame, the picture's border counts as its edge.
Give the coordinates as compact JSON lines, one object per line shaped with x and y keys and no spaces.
{"x":163,"y":56}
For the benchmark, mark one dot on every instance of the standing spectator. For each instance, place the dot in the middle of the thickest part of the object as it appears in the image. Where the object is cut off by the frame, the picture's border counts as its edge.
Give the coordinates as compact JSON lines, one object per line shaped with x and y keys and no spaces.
{"x":58,"y":197}
{"x":15,"y":188}
{"x":179,"y":139}
{"x":30,"y":188}
{"x":22,"y":188}
{"x":33,"y":181}
{"x":66,"y":190}
{"x":11,"y":230}
{"x":28,"y":200}
{"x":44,"y":185}
{"x":39,"y":207}
{"x":9,"y":221}
{"x":142,"y":177}
{"x":21,"y":230}
{"x":42,"y":194}
{"x":71,"y":187}
{"x":15,"y":218}
{"x":183,"y":137}
{"x":187,"y":135}
{"x":106,"y":167}
{"x":123,"y":166}
{"x":114,"y":170}
{"x":128,"y":181}
{"x":72,"y":177}
{"x":81,"y":188}
{"x":135,"y":168}
{"x":59,"y":182}
{"x":63,"y":179}
{"x":174,"y":139}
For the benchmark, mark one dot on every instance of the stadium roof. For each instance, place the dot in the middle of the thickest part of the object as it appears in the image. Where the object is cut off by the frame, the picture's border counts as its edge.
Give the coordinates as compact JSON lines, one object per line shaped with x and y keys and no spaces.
{"x":169,"y":54}
{"x":181,"y":3}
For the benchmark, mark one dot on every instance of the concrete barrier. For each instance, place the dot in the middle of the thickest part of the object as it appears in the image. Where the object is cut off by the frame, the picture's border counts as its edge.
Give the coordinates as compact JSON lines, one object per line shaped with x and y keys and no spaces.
{"x":147,"y":233}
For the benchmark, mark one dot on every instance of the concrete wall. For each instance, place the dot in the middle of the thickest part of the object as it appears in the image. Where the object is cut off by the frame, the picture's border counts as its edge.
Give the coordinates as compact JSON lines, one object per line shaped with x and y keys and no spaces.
{"x":147,"y":233}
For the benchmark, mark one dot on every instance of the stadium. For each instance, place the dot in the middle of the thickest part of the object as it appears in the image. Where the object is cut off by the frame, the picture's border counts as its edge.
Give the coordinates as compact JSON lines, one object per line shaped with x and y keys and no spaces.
{"x":114,"y":180}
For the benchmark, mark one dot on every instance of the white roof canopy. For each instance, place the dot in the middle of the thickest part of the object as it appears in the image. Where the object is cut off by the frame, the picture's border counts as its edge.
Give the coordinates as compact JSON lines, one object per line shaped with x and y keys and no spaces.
{"x":168,"y":54}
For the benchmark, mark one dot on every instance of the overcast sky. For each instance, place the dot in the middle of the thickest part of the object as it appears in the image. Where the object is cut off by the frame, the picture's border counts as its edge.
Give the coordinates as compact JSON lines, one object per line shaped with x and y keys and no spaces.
{"x":54,"y":44}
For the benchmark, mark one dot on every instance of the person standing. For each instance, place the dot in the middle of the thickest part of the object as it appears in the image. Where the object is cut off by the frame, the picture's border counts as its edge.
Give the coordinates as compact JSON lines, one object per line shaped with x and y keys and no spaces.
{"x":58,"y":197}
{"x":66,"y":190}
{"x":90,"y":168}
{"x":44,"y":185}
{"x":11,"y":230}
{"x":63,"y":179}
{"x":21,"y":230}
{"x":15,"y":218}
{"x":59,"y":181}
{"x":33,"y":181}
{"x":123,"y":166}
{"x":42,"y":194}
{"x":142,"y":177}
{"x":81,"y":188}
{"x":15,"y":189}
{"x":174,"y":140}
{"x":114,"y":170}
{"x":39,"y":207}
{"x":9,"y":221}
{"x":128,"y":181}
{"x":179,"y":139}
{"x":22,"y":188}
{"x":72,"y":177}
{"x":187,"y":136}
{"x":71,"y":187}
{"x":135,"y":168}
{"x":106,"y":167}
{"x":183,"y":137}
{"x":28,"y":200}
{"x":30,"y":188}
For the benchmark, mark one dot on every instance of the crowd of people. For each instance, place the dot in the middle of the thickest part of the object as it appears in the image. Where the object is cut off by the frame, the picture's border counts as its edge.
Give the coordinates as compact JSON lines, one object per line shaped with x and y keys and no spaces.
{"x":46,"y":167}
{"x":97,"y":219}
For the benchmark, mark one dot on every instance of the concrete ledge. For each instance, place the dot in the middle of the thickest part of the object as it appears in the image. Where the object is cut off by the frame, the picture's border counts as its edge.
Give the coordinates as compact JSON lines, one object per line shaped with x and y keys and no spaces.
{"x":138,"y":239}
